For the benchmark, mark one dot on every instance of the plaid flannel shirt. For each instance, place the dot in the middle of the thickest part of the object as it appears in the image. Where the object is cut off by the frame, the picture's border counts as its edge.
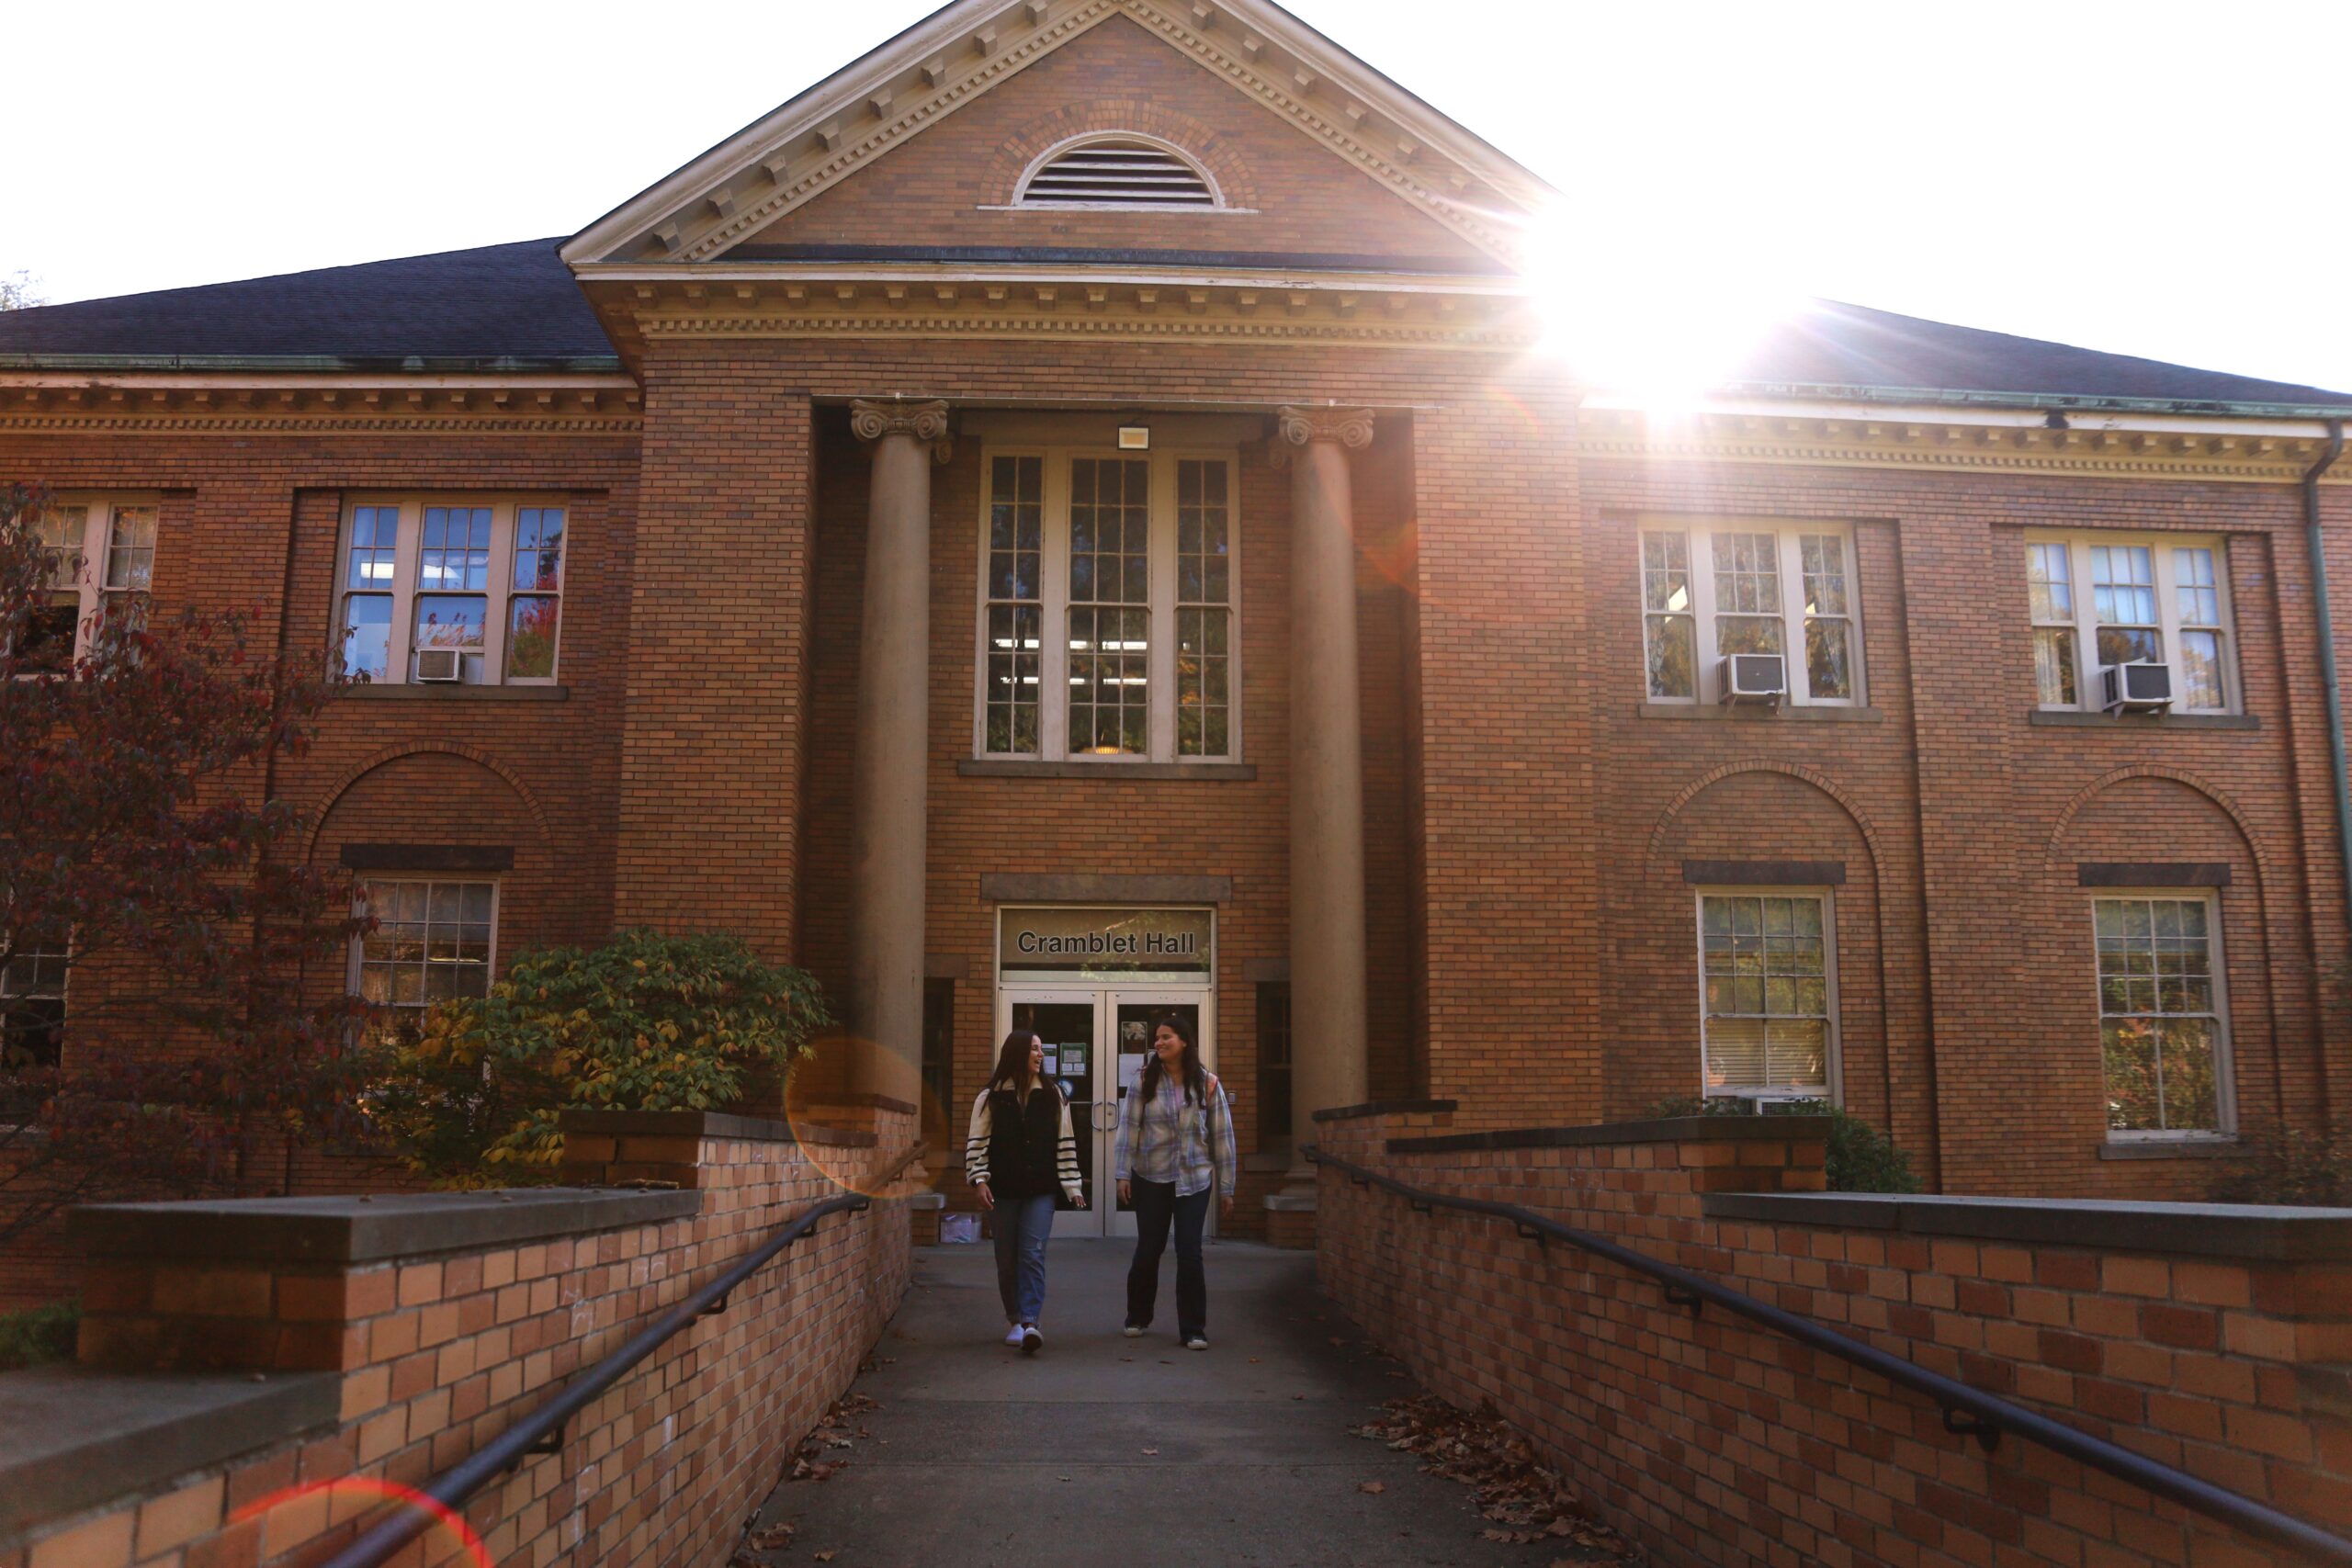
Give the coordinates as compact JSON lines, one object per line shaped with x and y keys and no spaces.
{"x":1176,"y":1140}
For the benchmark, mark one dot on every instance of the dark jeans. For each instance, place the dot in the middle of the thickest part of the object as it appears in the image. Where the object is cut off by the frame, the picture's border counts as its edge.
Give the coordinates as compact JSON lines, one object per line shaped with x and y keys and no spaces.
{"x":1155,"y":1205}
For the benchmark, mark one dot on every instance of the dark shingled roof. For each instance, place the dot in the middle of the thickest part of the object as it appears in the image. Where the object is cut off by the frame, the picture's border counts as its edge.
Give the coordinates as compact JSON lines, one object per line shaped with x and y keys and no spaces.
{"x":517,"y":304}
{"x":1830,"y":345}
{"x":508,"y":303}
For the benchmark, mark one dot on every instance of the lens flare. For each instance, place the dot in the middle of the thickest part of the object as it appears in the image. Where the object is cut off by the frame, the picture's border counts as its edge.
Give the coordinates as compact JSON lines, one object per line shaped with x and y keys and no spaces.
{"x":469,"y":1545}
{"x":829,"y":1096}
{"x":1653,"y":309}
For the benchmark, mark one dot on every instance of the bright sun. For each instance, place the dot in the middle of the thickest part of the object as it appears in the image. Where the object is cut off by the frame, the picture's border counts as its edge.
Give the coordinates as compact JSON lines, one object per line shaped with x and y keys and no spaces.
{"x":1660,"y":319}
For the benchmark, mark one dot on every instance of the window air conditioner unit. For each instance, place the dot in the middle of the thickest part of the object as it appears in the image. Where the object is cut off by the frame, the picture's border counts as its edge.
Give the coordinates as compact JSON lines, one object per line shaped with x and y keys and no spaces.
{"x":440,"y":665}
{"x":1752,"y":678}
{"x":2137,"y":687}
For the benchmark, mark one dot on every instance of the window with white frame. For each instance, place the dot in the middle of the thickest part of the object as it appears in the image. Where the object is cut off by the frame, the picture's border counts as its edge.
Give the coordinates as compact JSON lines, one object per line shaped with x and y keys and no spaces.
{"x":1768,"y":992}
{"x":435,"y":941}
{"x":477,"y":584}
{"x":2098,"y":599}
{"x":1108,"y":595}
{"x":1724,"y":587}
{"x":32,"y":1004}
{"x":101,"y":557}
{"x":2163,"y":1034}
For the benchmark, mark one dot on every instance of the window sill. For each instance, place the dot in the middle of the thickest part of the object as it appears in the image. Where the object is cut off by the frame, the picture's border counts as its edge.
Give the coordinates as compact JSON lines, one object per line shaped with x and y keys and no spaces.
{"x":1154,"y":773}
{"x":2170,"y":1148}
{"x":1796,"y":713}
{"x":455,"y":692}
{"x":2061,"y":719}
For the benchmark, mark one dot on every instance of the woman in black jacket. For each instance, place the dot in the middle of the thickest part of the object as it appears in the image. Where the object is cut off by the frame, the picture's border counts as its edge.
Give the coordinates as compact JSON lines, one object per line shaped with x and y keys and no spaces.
{"x":1020,"y":1149}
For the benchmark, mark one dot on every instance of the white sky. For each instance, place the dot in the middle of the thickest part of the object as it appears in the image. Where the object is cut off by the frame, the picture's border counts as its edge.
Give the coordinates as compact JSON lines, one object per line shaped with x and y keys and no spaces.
{"x":2155,"y":179}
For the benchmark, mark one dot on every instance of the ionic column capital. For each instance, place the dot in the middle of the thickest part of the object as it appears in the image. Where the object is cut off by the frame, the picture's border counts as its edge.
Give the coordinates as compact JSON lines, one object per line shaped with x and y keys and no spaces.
{"x":1349,"y":427}
{"x":925,"y":422}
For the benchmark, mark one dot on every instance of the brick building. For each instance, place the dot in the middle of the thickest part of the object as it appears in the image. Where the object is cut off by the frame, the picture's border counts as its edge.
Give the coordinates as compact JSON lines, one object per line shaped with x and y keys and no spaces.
{"x":1074,"y":518}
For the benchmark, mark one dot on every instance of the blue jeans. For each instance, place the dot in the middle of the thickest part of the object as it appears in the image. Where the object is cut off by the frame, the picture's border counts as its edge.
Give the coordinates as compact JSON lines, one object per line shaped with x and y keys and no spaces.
{"x":1021,"y":1227}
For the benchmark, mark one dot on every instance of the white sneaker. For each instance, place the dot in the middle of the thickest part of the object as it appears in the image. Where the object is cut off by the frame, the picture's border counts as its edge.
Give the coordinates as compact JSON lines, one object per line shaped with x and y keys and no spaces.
{"x":1030,"y":1341}
{"x":1012,"y":1336}
{"x":1197,"y":1343}
{"x":1133,"y":1331}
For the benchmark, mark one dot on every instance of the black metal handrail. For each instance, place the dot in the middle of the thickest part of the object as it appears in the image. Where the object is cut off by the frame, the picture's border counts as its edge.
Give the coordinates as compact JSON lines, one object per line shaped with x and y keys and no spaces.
{"x":1967,"y":1411}
{"x":541,"y":1432}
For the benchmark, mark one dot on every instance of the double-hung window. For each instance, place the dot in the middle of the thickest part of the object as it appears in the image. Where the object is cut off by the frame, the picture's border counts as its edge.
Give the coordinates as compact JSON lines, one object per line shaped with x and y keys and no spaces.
{"x":100,"y":557}
{"x":2163,"y":1034}
{"x":2096,"y":600}
{"x":435,"y":941}
{"x":32,"y":1004}
{"x":475,"y":585}
{"x":1768,"y":984}
{"x":1108,"y":604}
{"x":1723,"y":588}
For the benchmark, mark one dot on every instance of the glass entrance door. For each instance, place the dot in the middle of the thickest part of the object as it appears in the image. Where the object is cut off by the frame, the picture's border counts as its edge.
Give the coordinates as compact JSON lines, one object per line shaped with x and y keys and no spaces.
{"x":1096,"y":1044}
{"x":1133,"y":1015}
{"x":1068,"y":1021}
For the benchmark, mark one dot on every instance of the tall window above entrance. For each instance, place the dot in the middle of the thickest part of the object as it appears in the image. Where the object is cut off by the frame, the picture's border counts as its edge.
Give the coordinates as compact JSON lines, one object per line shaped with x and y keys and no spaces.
{"x":1107,"y":599}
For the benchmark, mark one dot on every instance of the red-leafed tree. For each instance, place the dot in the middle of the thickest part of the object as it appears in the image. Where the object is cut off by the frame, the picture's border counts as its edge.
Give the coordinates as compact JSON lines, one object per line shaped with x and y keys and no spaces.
{"x":165,"y":947}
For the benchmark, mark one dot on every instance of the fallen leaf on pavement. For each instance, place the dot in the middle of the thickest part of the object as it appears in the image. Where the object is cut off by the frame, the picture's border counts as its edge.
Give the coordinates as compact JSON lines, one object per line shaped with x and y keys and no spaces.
{"x":1152,"y":1451}
{"x":1373,"y":1487}
{"x":824,"y":1557}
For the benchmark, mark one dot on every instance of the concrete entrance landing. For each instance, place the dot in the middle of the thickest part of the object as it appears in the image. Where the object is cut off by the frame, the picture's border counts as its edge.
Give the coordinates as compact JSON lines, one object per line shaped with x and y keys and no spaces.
{"x":979,"y":1455}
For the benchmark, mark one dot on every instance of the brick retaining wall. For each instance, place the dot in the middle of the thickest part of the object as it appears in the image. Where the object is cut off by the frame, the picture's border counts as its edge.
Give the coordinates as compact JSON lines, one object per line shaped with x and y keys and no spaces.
{"x":385,"y":1338}
{"x":2206,"y":1338}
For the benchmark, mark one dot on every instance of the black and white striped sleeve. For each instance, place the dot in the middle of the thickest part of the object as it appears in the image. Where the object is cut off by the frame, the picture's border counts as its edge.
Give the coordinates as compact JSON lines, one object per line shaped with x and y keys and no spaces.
{"x":976,"y":1143}
{"x":1066,"y":1170}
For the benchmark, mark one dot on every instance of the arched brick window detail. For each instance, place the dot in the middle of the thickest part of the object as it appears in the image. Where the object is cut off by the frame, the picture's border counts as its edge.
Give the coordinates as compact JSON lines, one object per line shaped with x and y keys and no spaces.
{"x":1120,"y":169}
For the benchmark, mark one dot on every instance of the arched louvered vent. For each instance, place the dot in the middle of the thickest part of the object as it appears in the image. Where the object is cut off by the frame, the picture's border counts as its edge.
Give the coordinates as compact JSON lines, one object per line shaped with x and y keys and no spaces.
{"x":1117,"y":172}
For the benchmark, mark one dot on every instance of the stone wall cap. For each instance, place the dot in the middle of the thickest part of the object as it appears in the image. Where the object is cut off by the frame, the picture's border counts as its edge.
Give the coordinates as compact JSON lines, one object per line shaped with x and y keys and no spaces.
{"x":71,"y":1438}
{"x":1290,"y":1202}
{"x":2248,"y":1231}
{"x":677,"y":1124}
{"x":1387,"y":1108}
{"x":863,"y":1099}
{"x":1667,"y":1130}
{"x":364,"y":1229}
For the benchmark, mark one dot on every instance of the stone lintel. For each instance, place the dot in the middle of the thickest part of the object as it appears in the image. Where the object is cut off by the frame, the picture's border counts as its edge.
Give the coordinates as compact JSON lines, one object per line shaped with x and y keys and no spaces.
{"x":1080,"y":887}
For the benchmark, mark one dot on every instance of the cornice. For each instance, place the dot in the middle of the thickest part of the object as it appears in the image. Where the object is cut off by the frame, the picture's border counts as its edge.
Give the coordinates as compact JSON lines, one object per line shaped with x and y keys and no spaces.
{"x":1946,"y":446}
{"x":1111,"y":328}
{"x":175,"y":407}
{"x":826,"y":135}
{"x":1295,"y":311}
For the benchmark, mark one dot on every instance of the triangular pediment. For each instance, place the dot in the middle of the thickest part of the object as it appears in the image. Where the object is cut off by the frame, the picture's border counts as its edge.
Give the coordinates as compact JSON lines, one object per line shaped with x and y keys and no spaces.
{"x":742,"y":194}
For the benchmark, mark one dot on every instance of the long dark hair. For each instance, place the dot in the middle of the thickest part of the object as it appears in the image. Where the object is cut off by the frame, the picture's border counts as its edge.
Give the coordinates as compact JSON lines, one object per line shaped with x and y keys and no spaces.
{"x":1012,"y":1063}
{"x":1196,"y":1081}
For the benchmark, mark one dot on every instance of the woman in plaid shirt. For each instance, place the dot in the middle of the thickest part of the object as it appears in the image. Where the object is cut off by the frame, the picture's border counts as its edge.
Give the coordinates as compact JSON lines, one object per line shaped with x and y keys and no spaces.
{"x":1175,"y":1146}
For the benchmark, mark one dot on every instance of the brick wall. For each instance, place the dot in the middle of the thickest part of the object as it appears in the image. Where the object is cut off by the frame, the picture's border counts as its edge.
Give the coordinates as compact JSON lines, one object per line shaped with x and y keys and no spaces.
{"x":2198,"y":1341}
{"x":429,"y":1349}
{"x":1530,"y":954}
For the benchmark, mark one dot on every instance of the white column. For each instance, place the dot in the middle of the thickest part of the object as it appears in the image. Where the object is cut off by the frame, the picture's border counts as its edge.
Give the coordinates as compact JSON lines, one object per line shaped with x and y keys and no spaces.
{"x":1326,"y":942}
{"x":888,"y":778}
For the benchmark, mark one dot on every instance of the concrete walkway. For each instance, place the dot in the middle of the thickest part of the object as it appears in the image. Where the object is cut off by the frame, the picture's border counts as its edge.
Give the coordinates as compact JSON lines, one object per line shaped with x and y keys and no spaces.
{"x":1129,"y":1453}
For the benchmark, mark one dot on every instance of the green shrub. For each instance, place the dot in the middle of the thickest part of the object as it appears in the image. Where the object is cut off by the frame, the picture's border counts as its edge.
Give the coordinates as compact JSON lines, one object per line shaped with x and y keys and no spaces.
{"x":37,"y":1336}
{"x":2284,"y":1165}
{"x":1861,"y":1158}
{"x":468,"y":1094}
